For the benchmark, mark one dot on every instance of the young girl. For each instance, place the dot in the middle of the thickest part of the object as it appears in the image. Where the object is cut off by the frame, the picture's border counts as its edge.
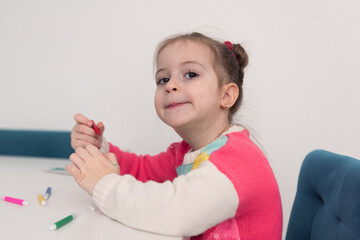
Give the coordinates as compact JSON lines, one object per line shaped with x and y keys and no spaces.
{"x":216,"y":183}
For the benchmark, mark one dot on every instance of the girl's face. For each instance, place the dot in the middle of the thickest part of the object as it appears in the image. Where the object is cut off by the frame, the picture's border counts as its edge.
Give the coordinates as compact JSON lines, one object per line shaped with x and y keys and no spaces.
{"x":187,"y":93}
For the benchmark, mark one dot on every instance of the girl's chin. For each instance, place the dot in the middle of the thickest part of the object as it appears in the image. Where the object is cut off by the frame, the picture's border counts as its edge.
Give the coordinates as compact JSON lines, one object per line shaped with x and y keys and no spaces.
{"x":176,"y":123}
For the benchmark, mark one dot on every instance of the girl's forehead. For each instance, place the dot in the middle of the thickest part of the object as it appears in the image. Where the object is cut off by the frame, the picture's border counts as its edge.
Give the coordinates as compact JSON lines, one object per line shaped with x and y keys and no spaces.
{"x":188,"y":45}
{"x":186,"y":50}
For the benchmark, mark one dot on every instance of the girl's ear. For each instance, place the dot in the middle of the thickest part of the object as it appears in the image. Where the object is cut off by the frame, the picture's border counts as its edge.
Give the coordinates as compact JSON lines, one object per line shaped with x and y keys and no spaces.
{"x":229,"y":95}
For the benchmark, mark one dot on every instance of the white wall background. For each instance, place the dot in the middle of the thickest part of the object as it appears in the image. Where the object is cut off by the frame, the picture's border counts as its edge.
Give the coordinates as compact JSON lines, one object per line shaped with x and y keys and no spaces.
{"x":302,"y":86}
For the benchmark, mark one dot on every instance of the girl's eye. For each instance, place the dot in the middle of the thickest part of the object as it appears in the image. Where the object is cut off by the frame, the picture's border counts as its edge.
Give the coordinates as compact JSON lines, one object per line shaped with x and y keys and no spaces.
{"x":191,"y":75}
{"x":162,"y":81}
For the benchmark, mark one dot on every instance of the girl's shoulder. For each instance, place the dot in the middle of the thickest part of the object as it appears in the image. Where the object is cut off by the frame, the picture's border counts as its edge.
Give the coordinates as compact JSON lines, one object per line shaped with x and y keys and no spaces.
{"x":237,"y":145}
{"x":241,"y":141}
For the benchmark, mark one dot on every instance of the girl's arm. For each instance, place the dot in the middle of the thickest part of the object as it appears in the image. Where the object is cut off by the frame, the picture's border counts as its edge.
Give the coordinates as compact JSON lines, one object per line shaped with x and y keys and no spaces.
{"x":186,"y":206}
{"x":237,"y":180}
{"x":157,"y":168}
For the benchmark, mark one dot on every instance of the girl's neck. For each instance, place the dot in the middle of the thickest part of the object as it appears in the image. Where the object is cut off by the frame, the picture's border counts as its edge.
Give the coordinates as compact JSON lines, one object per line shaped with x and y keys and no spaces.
{"x":200,"y":136}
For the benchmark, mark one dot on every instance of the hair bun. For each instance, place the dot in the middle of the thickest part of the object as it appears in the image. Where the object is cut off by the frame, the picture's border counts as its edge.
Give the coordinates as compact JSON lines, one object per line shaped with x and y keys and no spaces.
{"x":241,"y":55}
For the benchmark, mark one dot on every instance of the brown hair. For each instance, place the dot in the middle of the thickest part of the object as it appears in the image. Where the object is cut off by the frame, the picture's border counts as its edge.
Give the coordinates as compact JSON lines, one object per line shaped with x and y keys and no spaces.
{"x":228,"y":64}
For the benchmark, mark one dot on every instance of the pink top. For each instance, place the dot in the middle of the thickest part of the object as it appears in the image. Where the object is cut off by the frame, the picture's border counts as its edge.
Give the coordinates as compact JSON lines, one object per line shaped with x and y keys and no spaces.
{"x":259,"y":212}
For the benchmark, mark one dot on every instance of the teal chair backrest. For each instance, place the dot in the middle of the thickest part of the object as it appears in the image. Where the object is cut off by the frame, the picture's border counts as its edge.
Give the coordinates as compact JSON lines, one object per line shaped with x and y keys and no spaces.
{"x":327,"y":201}
{"x":35,"y":143}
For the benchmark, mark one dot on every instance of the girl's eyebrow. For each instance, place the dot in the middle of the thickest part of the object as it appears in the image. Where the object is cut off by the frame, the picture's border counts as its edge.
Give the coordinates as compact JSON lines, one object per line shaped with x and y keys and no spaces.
{"x":193,"y":62}
{"x":159,"y":70}
{"x":184,"y":63}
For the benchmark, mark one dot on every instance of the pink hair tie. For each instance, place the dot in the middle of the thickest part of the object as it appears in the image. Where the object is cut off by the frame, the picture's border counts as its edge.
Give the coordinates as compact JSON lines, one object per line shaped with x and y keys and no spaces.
{"x":229,"y":45}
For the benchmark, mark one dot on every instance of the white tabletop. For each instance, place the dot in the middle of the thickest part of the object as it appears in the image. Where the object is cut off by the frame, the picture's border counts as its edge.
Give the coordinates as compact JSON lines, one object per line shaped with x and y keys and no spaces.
{"x":24,"y":178}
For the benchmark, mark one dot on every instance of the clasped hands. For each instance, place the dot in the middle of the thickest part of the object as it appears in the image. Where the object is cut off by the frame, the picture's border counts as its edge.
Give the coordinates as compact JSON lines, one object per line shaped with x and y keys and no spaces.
{"x":90,"y":165}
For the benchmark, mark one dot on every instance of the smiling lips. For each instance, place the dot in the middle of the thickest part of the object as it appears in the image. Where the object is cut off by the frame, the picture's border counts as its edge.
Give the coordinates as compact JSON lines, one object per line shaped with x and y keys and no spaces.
{"x":175,"y":105}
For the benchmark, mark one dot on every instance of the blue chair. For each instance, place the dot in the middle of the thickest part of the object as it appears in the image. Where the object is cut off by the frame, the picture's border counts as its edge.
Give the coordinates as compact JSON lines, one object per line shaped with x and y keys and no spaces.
{"x":36,"y":143}
{"x":327,"y":201}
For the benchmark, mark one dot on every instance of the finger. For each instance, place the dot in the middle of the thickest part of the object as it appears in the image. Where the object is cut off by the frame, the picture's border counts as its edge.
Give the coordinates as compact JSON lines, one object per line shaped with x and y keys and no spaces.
{"x":84,"y":153}
{"x":113,"y":162}
{"x":94,"y":152}
{"x":79,"y":143}
{"x":85,"y":138}
{"x":74,"y":171}
{"x":101,"y":157}
{"x":101,"y":126}
{"x":80,"y":118}
{"x":85,"y":129}
{"x":111,"y":157}
{"x":84,"y":144}
{"x":82,"y":140}
{"x":77,"y":160}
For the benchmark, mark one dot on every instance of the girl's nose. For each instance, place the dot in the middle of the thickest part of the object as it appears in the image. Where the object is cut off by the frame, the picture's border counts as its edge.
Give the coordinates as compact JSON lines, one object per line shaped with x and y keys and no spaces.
{"x":172,"y":86}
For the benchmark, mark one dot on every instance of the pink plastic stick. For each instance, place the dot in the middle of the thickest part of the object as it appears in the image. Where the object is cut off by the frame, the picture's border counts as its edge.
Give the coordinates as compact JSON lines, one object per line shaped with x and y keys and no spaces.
{"x":97,"y":130}
{"x":15,"y":200}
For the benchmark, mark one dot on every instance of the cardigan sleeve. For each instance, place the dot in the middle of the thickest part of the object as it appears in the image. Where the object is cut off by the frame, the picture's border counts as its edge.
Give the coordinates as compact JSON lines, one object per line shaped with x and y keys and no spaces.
{"x":159,"y":168}
{"x":187,"y":206}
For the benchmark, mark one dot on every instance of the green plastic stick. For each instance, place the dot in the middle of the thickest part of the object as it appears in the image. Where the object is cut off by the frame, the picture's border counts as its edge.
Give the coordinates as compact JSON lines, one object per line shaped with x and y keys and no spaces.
{"x":62,"y":222}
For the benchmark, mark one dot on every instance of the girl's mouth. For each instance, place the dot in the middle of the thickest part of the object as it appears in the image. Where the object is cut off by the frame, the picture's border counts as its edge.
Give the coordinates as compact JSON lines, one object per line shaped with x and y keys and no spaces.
{"x":175,"y":105}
